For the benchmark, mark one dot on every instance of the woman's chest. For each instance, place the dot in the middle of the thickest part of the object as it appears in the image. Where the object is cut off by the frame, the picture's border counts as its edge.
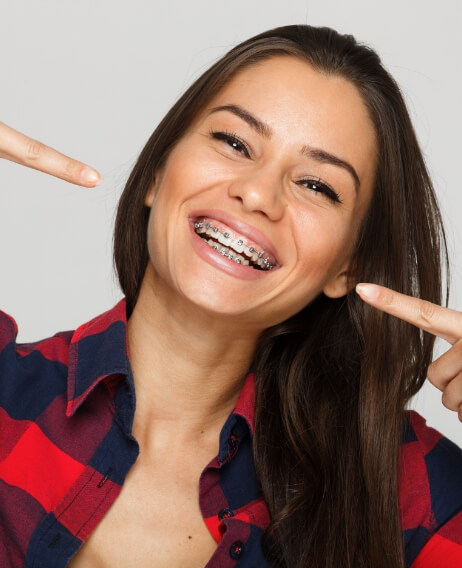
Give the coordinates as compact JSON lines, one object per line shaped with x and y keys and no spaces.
{"x":156,"y":520}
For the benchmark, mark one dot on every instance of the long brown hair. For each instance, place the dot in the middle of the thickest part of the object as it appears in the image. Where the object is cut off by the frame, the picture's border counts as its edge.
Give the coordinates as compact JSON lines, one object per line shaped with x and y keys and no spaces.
{"x":333,"y":380}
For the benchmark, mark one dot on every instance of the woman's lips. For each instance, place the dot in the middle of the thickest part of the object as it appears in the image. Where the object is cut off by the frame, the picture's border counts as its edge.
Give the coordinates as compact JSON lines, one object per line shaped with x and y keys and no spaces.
{"x":237,"y":236}
{"x":234,"y":247}
{"x":221,"y":260}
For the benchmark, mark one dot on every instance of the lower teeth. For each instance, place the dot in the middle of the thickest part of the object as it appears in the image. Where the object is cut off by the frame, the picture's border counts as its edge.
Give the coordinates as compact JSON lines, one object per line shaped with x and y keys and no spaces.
{"x":224,"y":251}
{"x":232,"y":255}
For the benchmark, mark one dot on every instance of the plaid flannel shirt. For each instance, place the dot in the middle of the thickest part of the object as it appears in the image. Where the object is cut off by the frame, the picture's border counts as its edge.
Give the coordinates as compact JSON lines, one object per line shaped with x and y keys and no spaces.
{"x":66,"y":411}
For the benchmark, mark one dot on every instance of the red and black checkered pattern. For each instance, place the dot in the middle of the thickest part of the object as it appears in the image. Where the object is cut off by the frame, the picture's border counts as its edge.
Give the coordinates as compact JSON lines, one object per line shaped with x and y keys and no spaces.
{"x":430,"y":497}
{"x":66,"y":409}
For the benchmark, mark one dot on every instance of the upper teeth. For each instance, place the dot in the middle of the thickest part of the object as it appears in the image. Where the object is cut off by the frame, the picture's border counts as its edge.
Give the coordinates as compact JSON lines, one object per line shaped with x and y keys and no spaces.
{"x":238,"y":246}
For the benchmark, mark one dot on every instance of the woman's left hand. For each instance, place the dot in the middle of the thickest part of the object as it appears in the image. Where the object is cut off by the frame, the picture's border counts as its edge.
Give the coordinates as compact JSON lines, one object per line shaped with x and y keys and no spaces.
{"x":446,"y":371}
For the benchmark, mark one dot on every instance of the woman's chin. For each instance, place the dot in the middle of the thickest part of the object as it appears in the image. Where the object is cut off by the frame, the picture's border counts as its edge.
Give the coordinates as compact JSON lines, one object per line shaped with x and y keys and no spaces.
{"x":219,"y":302}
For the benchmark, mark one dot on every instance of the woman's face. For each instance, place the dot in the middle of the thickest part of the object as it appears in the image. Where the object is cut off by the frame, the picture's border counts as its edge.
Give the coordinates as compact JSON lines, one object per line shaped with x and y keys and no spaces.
{"x":257,"y":208}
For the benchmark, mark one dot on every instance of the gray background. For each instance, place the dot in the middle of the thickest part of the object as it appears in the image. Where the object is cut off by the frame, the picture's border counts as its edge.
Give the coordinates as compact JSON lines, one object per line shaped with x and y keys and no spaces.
{"x":93,"y":78}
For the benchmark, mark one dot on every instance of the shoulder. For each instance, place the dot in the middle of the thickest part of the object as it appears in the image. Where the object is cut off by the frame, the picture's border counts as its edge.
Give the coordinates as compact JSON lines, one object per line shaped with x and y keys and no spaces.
{"x":430,"y":458}
{"x":430,"y":489}
{"x":68,"y":365}
{"x":8,"y":330}
{"x":31,"y":374}
{"x":52,"y":348}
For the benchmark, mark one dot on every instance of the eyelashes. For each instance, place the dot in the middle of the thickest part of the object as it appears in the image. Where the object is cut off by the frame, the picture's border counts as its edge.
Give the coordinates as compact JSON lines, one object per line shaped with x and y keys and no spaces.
{"x":313,"y":185}
{"x":318,"y":186}
{"x":232,"y":140}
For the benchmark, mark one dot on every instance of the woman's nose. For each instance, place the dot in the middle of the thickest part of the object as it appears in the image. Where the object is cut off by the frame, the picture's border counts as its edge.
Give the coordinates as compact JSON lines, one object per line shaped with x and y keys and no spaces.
{"x":260,"y":192}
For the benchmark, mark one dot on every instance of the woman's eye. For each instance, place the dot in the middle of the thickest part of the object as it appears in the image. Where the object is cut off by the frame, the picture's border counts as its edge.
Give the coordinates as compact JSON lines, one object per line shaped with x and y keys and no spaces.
{"x":233,"y":141}
{"x":318,"y":187}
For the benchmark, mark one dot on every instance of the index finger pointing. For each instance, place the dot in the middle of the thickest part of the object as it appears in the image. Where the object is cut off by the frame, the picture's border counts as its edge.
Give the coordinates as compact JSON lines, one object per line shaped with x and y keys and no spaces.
{"x":443,"y":322}
{"x":23,"y":150}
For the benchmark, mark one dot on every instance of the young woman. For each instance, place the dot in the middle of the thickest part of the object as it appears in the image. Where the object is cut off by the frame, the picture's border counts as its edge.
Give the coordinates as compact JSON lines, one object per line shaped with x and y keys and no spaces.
{"x":269,"y":427}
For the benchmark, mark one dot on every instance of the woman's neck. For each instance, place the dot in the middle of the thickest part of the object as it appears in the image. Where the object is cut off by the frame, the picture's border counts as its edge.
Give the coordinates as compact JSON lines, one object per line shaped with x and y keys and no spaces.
{"x":188,"y":365}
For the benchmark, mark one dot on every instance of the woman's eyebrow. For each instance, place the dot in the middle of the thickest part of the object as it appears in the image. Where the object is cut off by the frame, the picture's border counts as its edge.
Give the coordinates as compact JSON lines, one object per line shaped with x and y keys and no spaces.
{"x":264,"y":130}
{"x":261,"y":127}
{"x":325,"y":158}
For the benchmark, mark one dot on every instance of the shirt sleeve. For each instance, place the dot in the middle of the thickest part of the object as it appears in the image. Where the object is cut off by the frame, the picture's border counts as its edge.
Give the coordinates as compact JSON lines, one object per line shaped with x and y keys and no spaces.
{"x":8,"y":330}
{"x":444,"y":549}
{"x":8,"y":333}
{"x":431,"y":497}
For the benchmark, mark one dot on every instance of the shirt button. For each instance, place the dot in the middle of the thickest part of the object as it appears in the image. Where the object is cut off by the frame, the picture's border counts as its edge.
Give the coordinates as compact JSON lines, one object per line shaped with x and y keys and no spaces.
{"x":236,"y":550}
{"x":225,"y":514}
{"x":233,"y":441}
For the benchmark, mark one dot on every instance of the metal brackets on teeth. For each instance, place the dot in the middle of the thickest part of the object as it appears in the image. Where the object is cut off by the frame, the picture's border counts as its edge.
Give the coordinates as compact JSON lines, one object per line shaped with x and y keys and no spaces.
{"x":240,"y":242}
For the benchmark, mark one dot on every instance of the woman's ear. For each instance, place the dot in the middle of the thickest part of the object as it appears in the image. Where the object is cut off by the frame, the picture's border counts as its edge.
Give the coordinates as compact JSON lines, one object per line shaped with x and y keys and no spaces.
{"x":151,"y":194}
{"x":339,"y":285}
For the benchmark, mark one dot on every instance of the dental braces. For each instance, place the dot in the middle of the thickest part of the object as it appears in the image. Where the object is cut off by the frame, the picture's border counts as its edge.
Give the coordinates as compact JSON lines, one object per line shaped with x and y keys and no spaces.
{"x":240,"y":242}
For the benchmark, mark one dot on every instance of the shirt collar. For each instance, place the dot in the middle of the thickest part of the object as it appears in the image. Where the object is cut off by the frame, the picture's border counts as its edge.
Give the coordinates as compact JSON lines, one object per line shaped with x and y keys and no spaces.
{"x":245,"y":405}
{"x":99,"y":351}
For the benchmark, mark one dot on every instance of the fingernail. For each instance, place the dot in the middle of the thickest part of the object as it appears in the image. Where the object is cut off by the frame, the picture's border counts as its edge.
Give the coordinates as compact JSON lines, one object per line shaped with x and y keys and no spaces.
{"x":90,"y":176}
{"x":368,"y":291}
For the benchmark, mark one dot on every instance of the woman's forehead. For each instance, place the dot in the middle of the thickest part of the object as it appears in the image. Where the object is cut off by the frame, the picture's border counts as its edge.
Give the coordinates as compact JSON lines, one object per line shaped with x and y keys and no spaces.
{"x":286,"y":88}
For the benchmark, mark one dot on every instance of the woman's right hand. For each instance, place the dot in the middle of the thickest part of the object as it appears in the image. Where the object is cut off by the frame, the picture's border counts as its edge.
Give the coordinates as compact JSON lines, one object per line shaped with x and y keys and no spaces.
{"x":23,"y":150}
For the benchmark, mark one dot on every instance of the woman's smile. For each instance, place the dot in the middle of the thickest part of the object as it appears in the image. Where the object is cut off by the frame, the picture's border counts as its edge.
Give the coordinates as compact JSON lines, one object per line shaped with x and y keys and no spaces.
{"x":234,"y":246}
{"x":237,"y":248}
